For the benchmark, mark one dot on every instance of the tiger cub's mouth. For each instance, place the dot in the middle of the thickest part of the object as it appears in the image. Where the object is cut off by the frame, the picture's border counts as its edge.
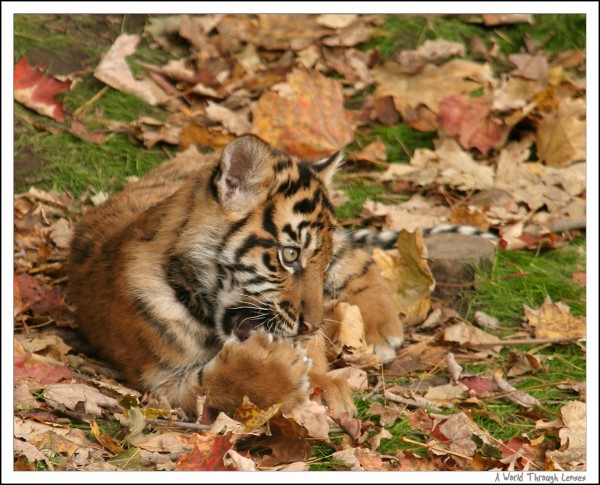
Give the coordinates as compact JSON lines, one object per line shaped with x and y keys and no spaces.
{"x":242,"y":321}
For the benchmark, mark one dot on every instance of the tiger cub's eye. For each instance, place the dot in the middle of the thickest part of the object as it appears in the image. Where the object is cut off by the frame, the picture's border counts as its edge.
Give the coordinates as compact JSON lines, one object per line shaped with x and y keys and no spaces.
{"x":289,"y":254}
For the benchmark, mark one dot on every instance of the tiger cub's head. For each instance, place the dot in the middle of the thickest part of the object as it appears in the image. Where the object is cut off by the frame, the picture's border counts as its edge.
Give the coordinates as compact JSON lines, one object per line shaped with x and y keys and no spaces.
{"x":278,"y":244}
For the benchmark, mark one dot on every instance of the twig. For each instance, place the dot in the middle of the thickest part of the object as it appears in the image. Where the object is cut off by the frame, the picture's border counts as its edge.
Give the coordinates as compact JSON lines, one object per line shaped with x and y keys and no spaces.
{"x":90,"y":102}
{"x":532,"y":341}
{"x":179,"y":424}
{"x":204,"y":427}
{"x":485,"y":282}
{"x":431,"y":447}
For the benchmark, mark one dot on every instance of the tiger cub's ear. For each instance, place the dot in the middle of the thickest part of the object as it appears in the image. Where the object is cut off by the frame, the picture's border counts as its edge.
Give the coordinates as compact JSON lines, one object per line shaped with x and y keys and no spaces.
{"x":327,"y":167}
{"x":246,"y":174}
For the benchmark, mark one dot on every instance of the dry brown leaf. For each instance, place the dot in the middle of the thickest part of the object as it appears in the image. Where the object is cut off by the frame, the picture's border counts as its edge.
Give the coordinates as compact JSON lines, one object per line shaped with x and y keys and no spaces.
{"x":416,"y":213}
{"x":348,"y":340}
{"x":38,"y":367}
{"x":464,"y":334}
{"x":454,"y":369}
{"x":310,"y":122}
{"x":356,"y":378}
{"x":114,"y":71}
{"x":513,"y":394}
{"x":572,"y":453}
{"x":410,"y":91}
{"x":373,"y":152}
{"x":409,"y":275}
{"x":235,"y":122}
{"x":240,"y":463}
{"x":388,"y":413}
{"x":446,"y":392}
{"x":433,"y":51}
{"x":450,"y":165}
{"x":336,"y":20}
{"x":193,"y":133}
{"x":313,"y":417}
{"x":491,"y":19}
{"x":350,"y":36}
{"x":486,"y":321}
{"x":561,"y":135}
{"x":516,"y":94}
{"x":554,"y":320}
{"x":169,"y":442}
{"x":85,"y":400}
{"x":529,"y":67}
{"x":521,"y":363}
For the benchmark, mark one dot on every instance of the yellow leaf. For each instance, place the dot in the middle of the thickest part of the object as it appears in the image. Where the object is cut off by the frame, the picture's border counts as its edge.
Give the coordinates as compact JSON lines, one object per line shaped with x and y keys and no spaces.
{"x":409,"y":275}
{"x":554,"y":320}
{"x":252,"y":417}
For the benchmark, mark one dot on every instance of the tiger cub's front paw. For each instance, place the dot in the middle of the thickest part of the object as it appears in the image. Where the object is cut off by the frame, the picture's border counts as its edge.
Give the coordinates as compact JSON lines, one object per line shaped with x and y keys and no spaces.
{"x":267,"y":371}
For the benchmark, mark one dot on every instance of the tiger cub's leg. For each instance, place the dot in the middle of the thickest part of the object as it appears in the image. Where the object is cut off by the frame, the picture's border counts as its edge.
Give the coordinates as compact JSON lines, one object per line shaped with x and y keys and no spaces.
{"x":355,"y":279}
{"x":267,"y":371}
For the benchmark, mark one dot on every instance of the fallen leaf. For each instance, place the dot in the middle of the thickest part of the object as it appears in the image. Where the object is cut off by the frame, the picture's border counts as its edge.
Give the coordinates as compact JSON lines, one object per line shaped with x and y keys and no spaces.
{"x":235,"y":122}
{"x":486,"y":321}
{"x":37,"y":299}
{"x":554,"y":320}
{"x":561,"y":134}
{"x":388,"y":413}
{"x":483,"y":387}
{"x":409,"y":275}
{"x":193,"y":133}
{"x":35,"y":90}
{"x":252,"y":417}
{"x":114,"y":71}
{"x":313,"y":416}
{"x":514,"y":395}
{"x":348,"y":340}
{"x":310,"y":122}
{"x":464,"y":334}
{"x":32,"y":453}
{"x":287,"y":440}
{"x":522,"y":363}
{"x":374,"y":152}
{"x":170,"y":442}
{"x":491,"y":19}
{"x":85,"y":400}
{"x":79,"y":130}
{"x":529,"y":67}
{"x":454,"y":369}
{"x":410,"y":91}
{"x":446,"y":392}
{"x":238,"y":462}
{"x":472,"y":122}
{"x":336,"y":20}
{"x":433,"y":51}
{"x":46,"y":370}
{"x":207,"y":454}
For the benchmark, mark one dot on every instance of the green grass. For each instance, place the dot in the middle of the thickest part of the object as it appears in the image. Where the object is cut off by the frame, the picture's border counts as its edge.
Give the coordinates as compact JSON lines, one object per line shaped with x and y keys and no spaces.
{"x":561,"y":32}
{"x":548,"y":273}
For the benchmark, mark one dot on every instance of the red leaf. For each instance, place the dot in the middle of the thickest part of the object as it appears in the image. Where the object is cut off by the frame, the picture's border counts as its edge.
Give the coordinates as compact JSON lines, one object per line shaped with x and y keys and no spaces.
{"x":206,"y":456}
{"x":482,"y":386}
{"x":470,"y":120}
{"x":36,"y":90}
{"x":31,"y":296}
{"x":32,"y":366}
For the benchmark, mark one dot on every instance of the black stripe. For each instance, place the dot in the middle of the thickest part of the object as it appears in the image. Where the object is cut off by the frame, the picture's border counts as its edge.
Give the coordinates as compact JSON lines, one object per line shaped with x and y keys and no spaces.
{"x":235,"y":227}
{"x":268,"y":263}
{"x":268,"y":223}
{"x":157,"y":325}
{"x":188,"y":291}
{"x":283,"y":164}
{"x":288,"y":229}
{"x":360,"y":274}
{"x":304,"y":206}
{"x":213,"y":182}
{"x":251,"y":242}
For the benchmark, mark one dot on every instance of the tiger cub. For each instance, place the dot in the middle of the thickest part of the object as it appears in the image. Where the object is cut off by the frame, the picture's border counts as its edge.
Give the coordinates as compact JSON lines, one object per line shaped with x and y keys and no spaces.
{"x":210,"y":276}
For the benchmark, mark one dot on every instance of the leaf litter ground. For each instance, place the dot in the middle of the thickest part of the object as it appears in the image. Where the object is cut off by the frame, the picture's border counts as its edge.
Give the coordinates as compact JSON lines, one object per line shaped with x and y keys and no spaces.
{"x":447,"y":400}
